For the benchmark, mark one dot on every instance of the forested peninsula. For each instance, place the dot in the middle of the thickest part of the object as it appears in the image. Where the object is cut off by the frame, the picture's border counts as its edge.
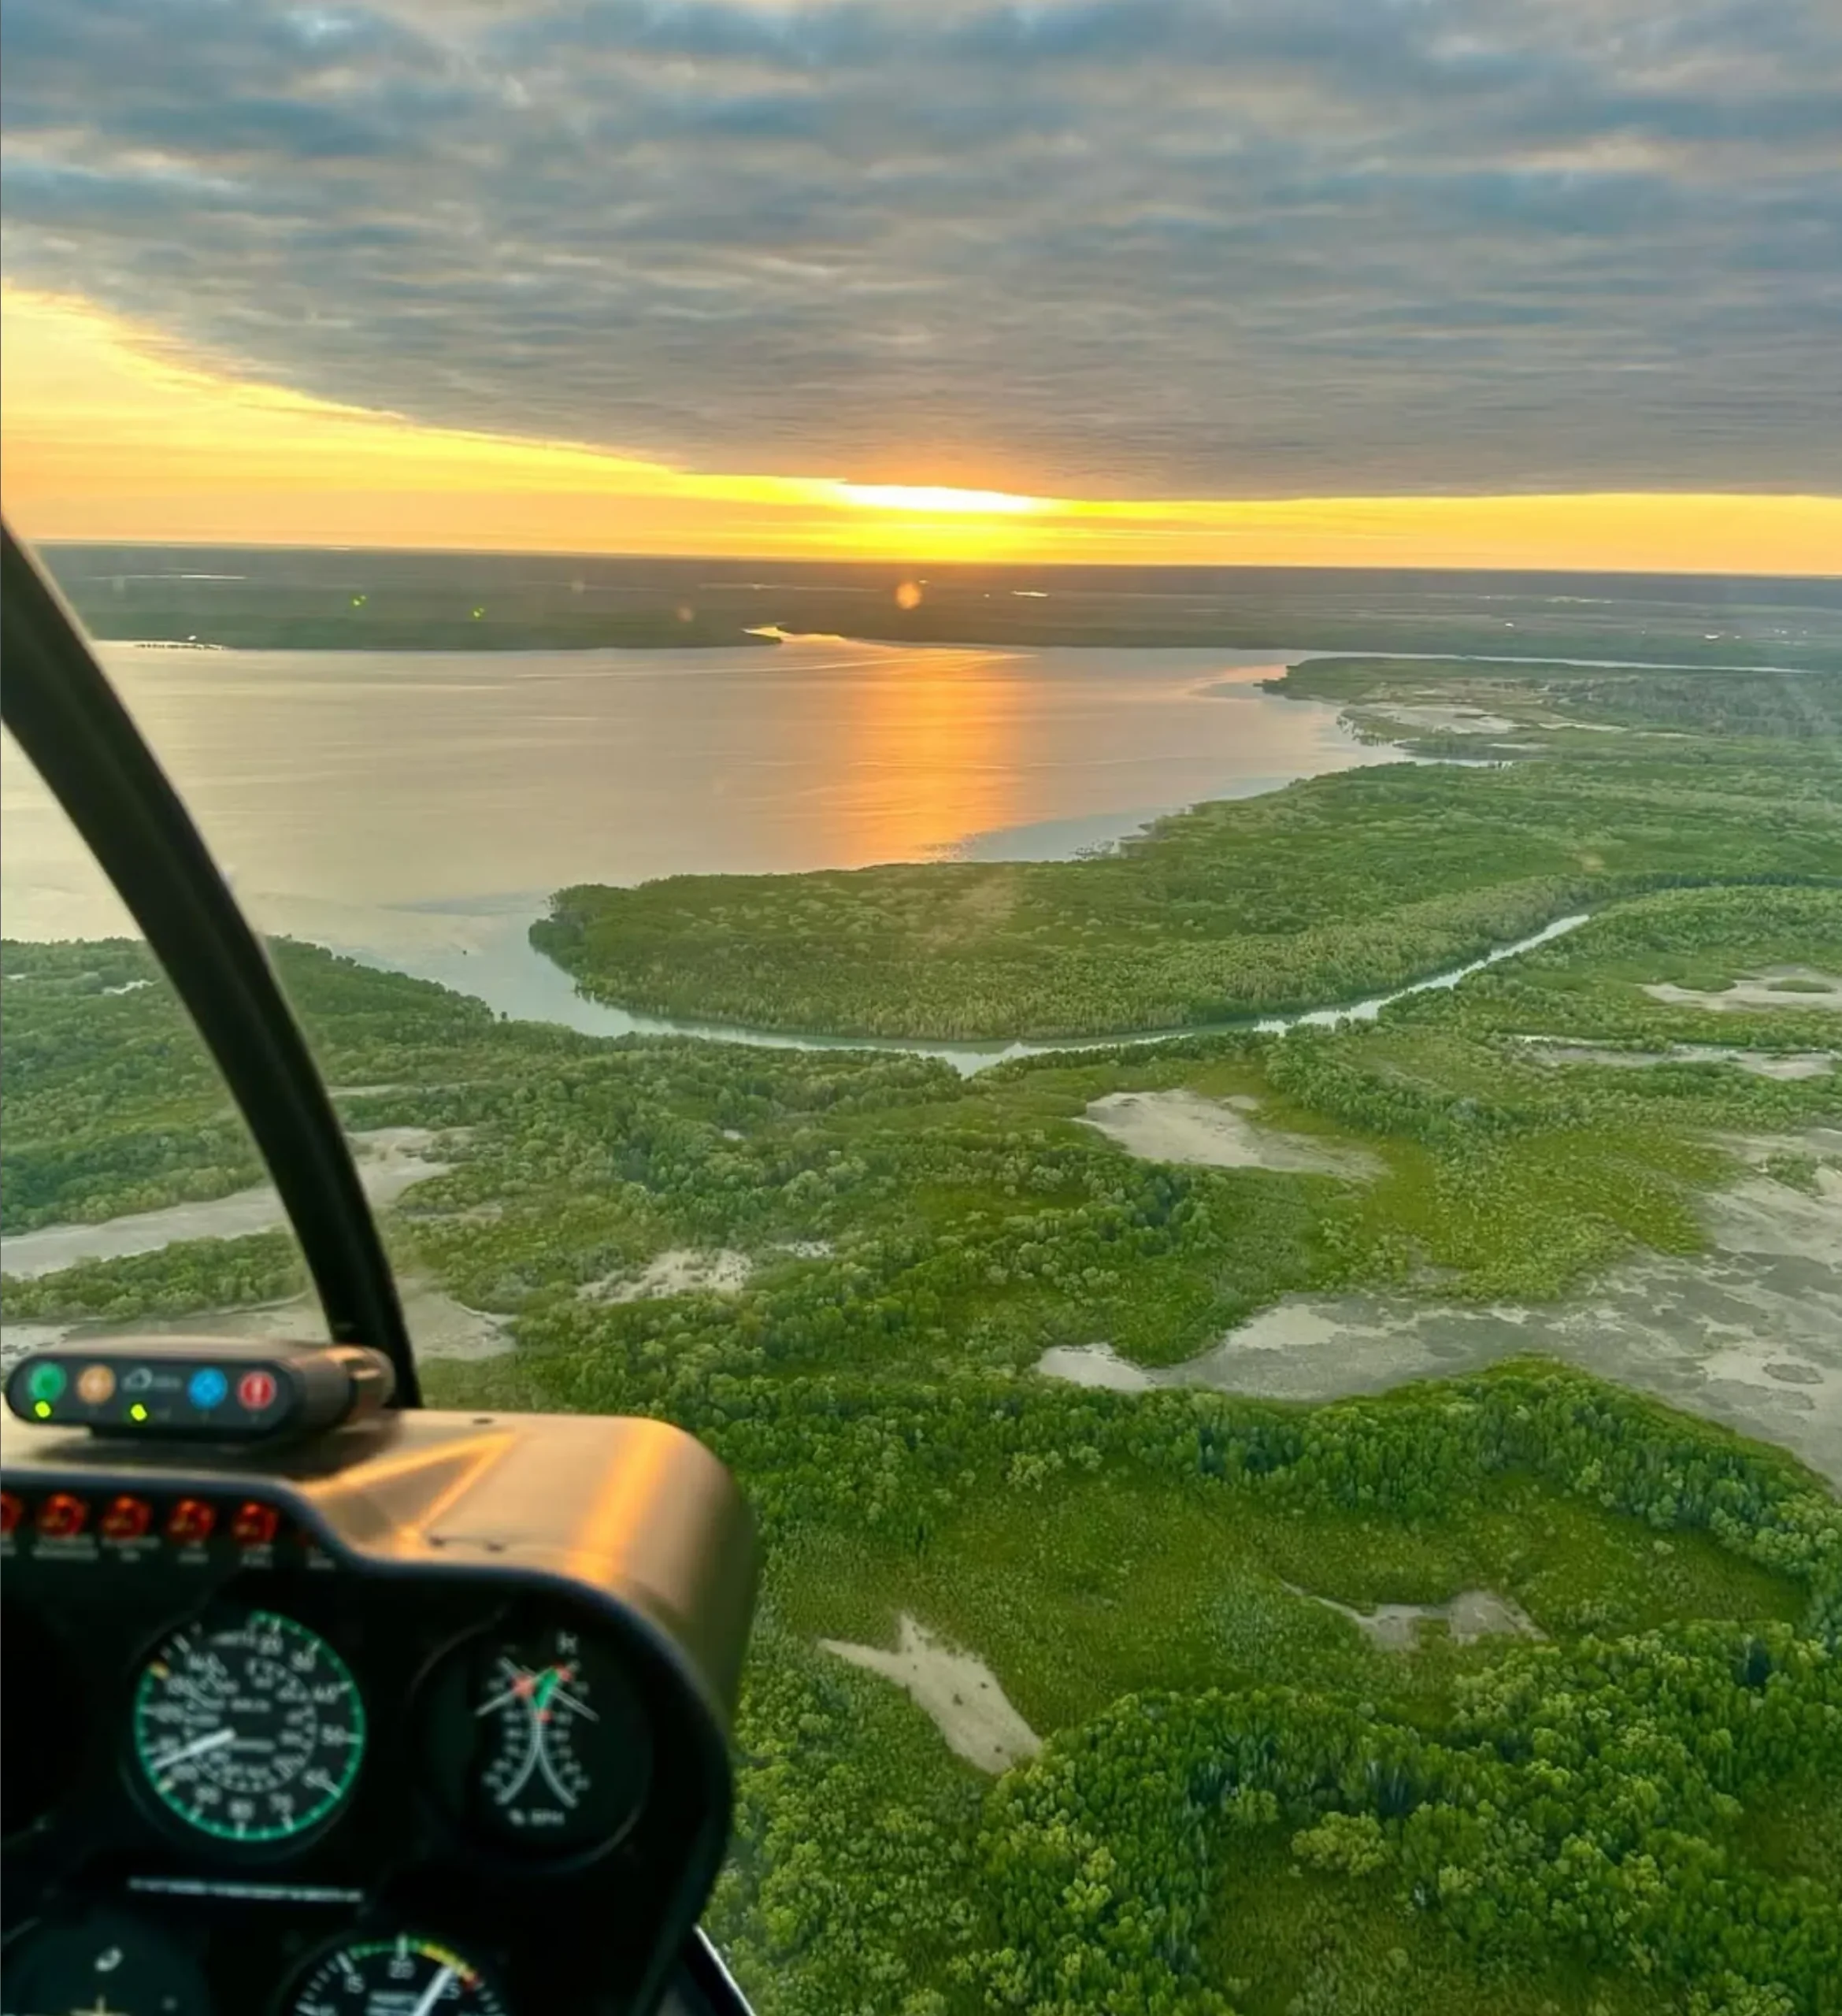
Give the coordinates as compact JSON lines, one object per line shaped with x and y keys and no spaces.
{"x":1574,"y":790}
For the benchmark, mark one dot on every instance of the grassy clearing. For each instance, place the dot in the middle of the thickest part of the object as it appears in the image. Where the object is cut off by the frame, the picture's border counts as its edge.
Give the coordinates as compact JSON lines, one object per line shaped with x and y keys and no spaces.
{"x":1089,"y":1587}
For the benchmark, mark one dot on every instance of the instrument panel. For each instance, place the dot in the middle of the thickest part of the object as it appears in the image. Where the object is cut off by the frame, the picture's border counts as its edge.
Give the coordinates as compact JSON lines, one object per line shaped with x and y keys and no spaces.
{"x":261,"y":1761}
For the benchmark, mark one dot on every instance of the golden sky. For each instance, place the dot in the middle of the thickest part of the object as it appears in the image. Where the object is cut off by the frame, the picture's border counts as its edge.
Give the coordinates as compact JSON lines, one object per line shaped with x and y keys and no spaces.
{"x":105,"y":434}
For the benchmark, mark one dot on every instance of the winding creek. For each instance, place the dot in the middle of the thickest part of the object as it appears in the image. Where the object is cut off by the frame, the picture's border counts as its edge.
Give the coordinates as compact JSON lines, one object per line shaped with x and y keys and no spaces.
{"x":595,"y":1018}
{"x":392,"y":1159}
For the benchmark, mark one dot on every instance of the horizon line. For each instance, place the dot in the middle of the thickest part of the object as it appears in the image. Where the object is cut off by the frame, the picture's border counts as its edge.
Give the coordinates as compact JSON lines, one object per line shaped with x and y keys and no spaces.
{"x":919,"y":566}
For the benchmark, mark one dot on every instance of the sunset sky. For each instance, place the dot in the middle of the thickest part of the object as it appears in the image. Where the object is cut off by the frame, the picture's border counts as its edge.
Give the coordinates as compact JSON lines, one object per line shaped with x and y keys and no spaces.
{"x":1548,"y":283}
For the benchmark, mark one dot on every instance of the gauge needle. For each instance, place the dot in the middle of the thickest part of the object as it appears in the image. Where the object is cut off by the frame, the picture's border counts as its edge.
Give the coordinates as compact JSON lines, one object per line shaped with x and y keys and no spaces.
{"x":216,"y":1741}
{"x":519,"y":1690}
{"x":432,"y":1994}
{"x":550,"y":1688}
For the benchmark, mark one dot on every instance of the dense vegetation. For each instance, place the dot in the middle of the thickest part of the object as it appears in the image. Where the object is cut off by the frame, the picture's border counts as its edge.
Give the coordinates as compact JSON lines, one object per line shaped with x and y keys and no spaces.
{"x":1338,"y":887}
{"x":1547,"y":700}
{"x":178,"y":1279}
{"x":113,"y":1107}
{"x":1243,"y":1802}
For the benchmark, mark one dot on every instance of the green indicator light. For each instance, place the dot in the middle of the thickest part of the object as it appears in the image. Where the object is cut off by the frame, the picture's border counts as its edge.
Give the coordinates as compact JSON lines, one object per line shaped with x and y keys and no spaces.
{"x":47,"y":1381}
{"x":137,"y":1412}
{"x":42,"y":1409}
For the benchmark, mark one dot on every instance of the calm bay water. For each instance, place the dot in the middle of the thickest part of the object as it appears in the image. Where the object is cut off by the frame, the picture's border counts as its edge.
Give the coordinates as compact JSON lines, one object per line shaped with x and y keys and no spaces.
{"x":415,"y":809}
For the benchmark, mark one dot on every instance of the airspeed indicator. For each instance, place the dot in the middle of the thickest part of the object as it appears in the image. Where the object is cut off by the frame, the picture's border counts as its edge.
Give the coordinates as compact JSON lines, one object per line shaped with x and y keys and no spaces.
{"x":251,"y":1729}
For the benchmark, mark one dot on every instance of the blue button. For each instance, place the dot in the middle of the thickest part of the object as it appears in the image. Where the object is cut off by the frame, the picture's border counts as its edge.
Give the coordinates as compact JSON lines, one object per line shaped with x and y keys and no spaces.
{"x":207,"y":1387}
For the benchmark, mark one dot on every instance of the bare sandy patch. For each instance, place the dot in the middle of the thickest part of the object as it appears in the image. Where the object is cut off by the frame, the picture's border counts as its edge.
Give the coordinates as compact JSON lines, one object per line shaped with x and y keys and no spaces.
{"x":18,"y":1340}
{"x":439,"y":1326}
{"x":1451,"y":720}
{"x":1095,"y":1365}
{"x":1470,"y":1615}
{"x":390,"y":1160}
{"x":958,"y":1693}
{"x":1815,"y":990}
{"x":1183,"y":1127}
{"x":679,"y":1270}
{"x":1785,"y":1066}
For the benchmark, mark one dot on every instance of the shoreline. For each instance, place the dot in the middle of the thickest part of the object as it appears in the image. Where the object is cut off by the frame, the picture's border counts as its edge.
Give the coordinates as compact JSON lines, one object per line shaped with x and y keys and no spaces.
{"x":753,"y":637}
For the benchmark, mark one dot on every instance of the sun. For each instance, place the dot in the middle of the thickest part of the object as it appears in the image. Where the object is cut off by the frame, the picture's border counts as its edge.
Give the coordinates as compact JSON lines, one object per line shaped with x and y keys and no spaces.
{"x":931,"y":500}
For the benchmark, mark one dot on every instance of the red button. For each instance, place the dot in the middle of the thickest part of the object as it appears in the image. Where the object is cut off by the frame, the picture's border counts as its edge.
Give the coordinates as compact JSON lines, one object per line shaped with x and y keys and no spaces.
{"x":254,"y":1524}
{"x":190,"y":1520}
{"x":11,"y":1508}
{"x":256,"y":1390}
{"x":61,"y":1517}
{"x":126,"y":1519}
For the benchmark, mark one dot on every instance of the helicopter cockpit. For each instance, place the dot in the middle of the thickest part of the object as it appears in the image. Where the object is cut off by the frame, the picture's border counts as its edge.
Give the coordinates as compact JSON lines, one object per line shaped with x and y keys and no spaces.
{"x":318,"y":1702}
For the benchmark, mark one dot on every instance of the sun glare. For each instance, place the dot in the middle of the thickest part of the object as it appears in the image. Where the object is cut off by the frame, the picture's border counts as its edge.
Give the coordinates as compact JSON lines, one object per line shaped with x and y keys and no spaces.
{"x":925,"y":499}
{"x":111,"y":434}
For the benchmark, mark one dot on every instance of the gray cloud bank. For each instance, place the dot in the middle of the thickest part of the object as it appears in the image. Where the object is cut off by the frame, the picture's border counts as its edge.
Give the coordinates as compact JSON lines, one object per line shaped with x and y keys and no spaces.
{"x":1189,"y":248}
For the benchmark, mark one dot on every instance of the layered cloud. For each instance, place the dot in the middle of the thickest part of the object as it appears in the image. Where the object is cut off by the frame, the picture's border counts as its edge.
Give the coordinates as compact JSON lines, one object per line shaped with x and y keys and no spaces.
{"x":1086,"y":248}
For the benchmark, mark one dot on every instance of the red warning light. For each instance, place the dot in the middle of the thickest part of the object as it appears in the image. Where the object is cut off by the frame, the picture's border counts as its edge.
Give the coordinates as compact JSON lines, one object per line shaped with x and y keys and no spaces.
{"x":126,"y":1519}
{"x":12,"y":1509}
{"x":61,"y":1517}
{"x":256,"y":1391}
{"x":190,"y":1521}
{"x":254,"y":1524}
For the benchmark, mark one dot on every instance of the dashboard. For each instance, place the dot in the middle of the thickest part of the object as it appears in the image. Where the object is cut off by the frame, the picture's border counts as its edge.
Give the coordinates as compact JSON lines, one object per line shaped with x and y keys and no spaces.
{"x":426,"y":1718}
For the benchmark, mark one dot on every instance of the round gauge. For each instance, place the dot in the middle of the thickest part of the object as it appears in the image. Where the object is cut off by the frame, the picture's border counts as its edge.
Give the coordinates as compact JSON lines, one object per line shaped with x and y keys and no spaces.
{"x":104,"y":1961}
{"x":406,"y":1976}
{"x":540,"y":1742}
{"x":251,"y":1729}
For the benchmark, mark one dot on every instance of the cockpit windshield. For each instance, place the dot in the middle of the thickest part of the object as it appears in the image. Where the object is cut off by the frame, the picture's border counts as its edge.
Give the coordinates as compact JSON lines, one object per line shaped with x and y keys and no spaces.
{"x":1075,"y":769}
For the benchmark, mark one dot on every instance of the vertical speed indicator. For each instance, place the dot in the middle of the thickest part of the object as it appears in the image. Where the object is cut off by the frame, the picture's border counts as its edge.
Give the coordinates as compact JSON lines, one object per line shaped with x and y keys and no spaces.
{"x":539,"y":1741}
{"x":250,"y":1729}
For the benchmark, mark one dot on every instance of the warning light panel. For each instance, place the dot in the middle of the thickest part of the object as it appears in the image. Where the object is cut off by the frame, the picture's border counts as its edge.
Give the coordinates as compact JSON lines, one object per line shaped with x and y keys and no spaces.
{"x":254,"y":1524}
{"x":209,"y":1389}
{"x":62,"y":1517}
{"x":191,"y":1522}
{"x":256,"y":1392}
{"x":95,"y":1385}
{"x":126,"y":1519}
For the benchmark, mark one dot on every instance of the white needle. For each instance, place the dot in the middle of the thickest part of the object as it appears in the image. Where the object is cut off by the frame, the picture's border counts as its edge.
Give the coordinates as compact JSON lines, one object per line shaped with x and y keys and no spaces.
{"x":216,"y":1741}
{"x":432,"y":1994}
